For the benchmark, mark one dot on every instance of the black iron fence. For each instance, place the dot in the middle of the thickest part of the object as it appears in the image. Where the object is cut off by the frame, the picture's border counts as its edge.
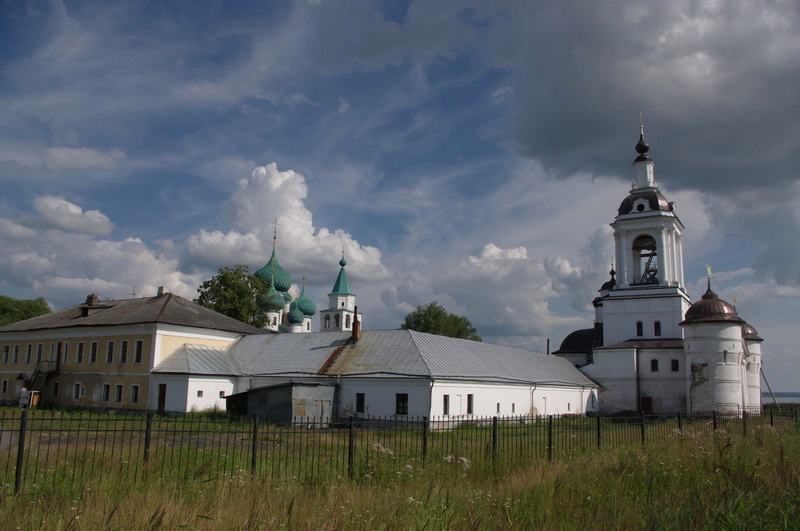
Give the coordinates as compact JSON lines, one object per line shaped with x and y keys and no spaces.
{"x":55,"y":449}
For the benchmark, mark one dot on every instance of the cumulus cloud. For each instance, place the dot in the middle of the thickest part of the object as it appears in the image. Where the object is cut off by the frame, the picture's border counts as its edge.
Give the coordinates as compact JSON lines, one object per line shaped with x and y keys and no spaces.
{"x":69,"y":217}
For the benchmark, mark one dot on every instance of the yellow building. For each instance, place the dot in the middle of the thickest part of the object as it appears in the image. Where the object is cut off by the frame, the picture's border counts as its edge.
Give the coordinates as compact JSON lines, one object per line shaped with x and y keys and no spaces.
{"x":100,"y":353}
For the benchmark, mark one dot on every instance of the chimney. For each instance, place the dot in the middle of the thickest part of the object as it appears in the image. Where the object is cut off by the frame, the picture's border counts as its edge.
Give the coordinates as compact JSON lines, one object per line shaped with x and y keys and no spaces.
{"x":160,"y":291}
{"x":91,"y":300}
{"x":356,"y":326}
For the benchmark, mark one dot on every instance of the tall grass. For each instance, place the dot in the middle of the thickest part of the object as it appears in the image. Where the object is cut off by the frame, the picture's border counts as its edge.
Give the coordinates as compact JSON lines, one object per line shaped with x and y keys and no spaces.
{"x":686,"y":480}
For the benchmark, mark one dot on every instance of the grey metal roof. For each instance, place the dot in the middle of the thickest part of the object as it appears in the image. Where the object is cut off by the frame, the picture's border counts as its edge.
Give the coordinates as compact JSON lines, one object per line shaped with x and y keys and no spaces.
{"x":199,"y":359}
{"x":398,"y":353}
{"x":168,"y":308}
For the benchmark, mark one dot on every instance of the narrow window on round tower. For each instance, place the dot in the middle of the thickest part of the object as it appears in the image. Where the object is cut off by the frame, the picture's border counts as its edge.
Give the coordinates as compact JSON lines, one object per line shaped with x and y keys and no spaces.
{"x":645,"y":261}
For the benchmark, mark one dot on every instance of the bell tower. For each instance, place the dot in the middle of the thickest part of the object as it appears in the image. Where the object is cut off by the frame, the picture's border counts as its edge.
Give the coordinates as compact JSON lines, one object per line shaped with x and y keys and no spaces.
{"x":648,"y":299}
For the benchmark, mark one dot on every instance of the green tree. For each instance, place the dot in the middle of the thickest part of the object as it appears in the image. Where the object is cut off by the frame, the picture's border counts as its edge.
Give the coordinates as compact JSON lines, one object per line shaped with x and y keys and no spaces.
{"x":234,"y":292}
{"x":13,"y":310}
{"x":433,"y":318}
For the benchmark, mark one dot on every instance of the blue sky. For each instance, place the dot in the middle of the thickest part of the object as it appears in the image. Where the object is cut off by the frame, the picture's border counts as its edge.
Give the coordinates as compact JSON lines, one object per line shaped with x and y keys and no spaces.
{"x":472,"y":153}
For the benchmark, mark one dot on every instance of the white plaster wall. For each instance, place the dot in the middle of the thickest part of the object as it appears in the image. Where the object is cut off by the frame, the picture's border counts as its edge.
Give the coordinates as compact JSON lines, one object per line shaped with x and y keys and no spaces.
{"x":380,"y":396}
{"x":211,"y":388}
{"x":715,"y":354}
{"x":620,"y":314}
{"x":753,"y":375}
{"x":177,"y":392}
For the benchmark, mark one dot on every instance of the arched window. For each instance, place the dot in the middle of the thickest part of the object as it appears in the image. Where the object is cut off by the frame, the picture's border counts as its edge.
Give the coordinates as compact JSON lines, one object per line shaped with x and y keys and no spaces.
{"x":336,"y":322}
{"x":645,"y":260}
{"x":639,"y":329}
{"x":657,"y":328}
{"x":327,"y":321}
{"x":347,"y":321}
{"x":653,"y":365}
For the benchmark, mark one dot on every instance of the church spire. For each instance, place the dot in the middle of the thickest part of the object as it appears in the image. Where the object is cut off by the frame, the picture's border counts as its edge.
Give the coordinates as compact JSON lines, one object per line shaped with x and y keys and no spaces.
{"x":643,"y":164}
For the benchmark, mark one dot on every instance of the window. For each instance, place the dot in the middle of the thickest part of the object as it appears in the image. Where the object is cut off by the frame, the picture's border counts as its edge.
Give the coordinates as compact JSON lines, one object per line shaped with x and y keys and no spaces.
{"x":52,"y":352}
{"x":123,"y":351}
{"x":110,"y":352}
{"x":336,"y":322}
{"x":446,"y":404}
{"x":28,"y":353}
{"x":360,"y":403}
{"x":639,"y":329}
{"x":106,"y":392}
{"x":222,"y":394}
{"x":514,"y":407}
{"x":327,"y":321}
{"x":6,"y":350}
{"x":657,"y":328}
{"x":93,"y":352}
{"x":55,"y":389}
{"x":118,"y":393}
{"x":401,"y":403}
{"x":65,"y":349}
{"x":4,"y":388}
{"x":498,"y":407}
{"x":16,"y":353}
{"x":347,"y":321}
{"x":39,"y":349}
{"x":200,"y":393}
{"x":676,"y":365}
{"x":79,"y":354}
{"x":137,"y":356}
{"x":76,"y":391}
{"x":470,"y":404}
{"x":134,"y":394}
{"x":569,"y":406}
{"x":654,"y":365}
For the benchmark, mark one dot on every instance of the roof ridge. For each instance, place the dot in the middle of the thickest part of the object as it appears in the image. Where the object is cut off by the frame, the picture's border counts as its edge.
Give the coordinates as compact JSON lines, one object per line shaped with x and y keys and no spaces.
{"x":163,"y":307}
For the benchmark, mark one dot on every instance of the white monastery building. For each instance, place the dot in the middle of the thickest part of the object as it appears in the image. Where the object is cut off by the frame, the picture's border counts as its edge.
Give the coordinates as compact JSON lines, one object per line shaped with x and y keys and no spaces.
{"x":651,"y":349}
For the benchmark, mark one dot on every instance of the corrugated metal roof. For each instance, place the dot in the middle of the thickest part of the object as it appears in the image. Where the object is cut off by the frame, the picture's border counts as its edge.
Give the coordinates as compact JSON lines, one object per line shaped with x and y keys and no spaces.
{"x":168,"y":308}
{"x":381,"y":353}
{"x":199,"y":359}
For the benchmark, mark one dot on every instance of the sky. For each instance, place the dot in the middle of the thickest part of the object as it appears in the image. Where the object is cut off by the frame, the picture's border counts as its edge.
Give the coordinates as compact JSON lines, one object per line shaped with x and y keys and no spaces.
{"x":468,"y":152}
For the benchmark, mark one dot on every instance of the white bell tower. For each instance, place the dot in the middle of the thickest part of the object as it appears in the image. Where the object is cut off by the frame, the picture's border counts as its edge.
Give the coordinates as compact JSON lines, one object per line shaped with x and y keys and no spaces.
{"x":649,"y":299}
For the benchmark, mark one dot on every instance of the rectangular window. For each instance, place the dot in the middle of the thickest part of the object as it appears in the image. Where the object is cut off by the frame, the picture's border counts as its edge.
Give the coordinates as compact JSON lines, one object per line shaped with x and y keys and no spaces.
{"x":106,"y":392}
{"x":676,"y":365}
{"x":123,"y":351}
{"x":222,"y":394}
{"x":5,"y":387}
{"x":657,"y":328}
{"x":569,"y":406}
{"x":360,"y":402}
{"x":118,"y":393}
{"x":52,"y":352}
{"x":76,"y":391}
{"x":28,"y":353}
{"x":654,"y":365}
{"x":93,"y":352}
{"x":200,"y":393}
{"x":514,"y":407}
{"x":134,"y":394}
{"x":55,"y":389}
{"x":470,"y":404}
{"x":401,"y":403}
{"x":639,"y":329}
{"x":446,"y":404}
{"x":66,"y":351}
{"x":6,"y":350}
{"x":39,"y":350}
{"x":16,"y":353}
{"x":498,"y":407}
{"x":110,"y":352}
{"x":137,"y":355}
{"x":79,"y":354}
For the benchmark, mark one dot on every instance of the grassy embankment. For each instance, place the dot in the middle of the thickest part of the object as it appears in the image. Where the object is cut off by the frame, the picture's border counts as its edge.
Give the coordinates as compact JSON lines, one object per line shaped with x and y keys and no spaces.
{"x":715,"y":480}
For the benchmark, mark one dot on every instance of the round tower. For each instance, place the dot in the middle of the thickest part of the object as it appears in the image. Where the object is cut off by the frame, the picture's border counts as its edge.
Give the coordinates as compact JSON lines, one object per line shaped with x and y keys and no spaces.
{"x":752,"y":343}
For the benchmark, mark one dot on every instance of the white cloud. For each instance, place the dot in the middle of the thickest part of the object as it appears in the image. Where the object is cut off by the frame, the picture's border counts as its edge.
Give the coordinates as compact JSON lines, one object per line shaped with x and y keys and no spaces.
{"x":66,"y":158}
{"x":69,"y":217}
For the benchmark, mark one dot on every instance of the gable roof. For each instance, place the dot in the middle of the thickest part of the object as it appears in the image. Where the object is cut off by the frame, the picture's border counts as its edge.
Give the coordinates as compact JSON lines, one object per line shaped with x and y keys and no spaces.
{"x":395,"y":353}
{"x":200,"y":360}
{"x":168,"y":309}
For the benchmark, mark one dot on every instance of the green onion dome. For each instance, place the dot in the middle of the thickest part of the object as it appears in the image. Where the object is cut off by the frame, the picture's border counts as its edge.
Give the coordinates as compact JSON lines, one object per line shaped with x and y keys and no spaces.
{"x":274,"y":273}
{"x":305,"y":304}
{"x":271,"y":301}
{"x":296,"y":315}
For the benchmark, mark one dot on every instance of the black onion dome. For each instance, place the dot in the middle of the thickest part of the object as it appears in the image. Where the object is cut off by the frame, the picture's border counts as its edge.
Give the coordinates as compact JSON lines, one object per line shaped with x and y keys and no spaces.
{"x":579,"y":341}
{"x":654,"y":199}
{"x":711,"y":309}
{"x":610,"y":283}
{"x":750,"y":333}
{"x":642,"y":148}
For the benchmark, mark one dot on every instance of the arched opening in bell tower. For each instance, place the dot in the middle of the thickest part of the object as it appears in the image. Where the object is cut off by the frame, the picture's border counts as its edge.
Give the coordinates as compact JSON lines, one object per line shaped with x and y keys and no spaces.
{"x":645,"y":260}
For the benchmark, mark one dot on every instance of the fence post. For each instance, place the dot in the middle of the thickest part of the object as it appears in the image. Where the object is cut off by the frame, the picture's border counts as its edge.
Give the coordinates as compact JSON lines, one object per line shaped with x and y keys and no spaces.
{"x":254,"y":455}
{"x":714,"y":420}
{"x":148,"y":429}
{"x":744,"y":423}
{"x":599,"y":433}
{"x":771,"y":420}
{"x":351,"y":448}
{"x":494,"y":439}
{"x":680,"y":425}
{"x":23,"y":425}
{"x":550,"y":437}
{"x":424,"y":438}
{"x":642,"y":428}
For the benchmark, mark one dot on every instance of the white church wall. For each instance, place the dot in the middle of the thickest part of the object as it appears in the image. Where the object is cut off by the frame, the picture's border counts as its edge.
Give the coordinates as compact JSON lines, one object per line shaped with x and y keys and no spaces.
{"x":380,"y":396}
{"x":206,"y":393}
{"x":177,"y":392}
{"x":715,"y":354}
{"x":621,"y":314}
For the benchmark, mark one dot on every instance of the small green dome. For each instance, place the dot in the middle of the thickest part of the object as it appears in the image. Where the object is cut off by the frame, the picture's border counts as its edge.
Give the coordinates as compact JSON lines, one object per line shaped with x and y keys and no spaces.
{"x":305,"y":304}
{"x":271,"y":301}
{"x":296,"y":315}
{"x":274,"y":273}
